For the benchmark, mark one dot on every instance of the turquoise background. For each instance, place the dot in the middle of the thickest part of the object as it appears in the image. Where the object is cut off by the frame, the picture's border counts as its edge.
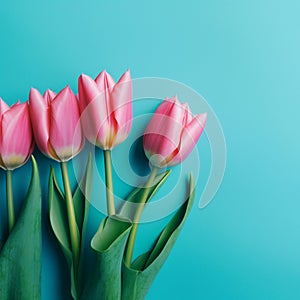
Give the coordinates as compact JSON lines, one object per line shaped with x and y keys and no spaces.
{"x":243,"y":57}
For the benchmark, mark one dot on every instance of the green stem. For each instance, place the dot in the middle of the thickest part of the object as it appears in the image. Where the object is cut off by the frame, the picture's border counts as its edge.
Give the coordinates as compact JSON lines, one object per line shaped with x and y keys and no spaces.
{"x":10,"y":201}
{"x":137,"y":217}
{"x":75,"y":242}
{"x":109,"y":183}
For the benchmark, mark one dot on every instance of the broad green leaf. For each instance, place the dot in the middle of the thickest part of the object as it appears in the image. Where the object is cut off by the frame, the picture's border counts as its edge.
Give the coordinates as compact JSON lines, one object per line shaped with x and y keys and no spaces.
{"x":21,"y":255}
{"x":127,"y":210}
{"x":138,"y":278}
{"x":108,"y":244}
{"x":59,"y":217}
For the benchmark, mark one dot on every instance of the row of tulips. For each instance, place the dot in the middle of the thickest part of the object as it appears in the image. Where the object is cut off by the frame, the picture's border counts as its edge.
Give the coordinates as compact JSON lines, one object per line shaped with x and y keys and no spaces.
{"x":106,"y":111}
{"x":101,"y":113}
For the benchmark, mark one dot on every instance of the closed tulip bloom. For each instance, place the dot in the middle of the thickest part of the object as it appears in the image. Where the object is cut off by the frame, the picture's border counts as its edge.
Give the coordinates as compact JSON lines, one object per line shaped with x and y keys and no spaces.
{"x":16,"y":139}
{"x":172,"y":133}
{"x":106,"y":108}
{"x":56,"y":123}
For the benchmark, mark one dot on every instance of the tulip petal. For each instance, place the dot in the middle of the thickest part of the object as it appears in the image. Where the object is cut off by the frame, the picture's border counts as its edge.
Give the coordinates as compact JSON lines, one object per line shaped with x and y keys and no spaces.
{"x":16,"y":138}
{"x":162,"y":135}
{"x":40,"y":118}
{"x":189,"y":138}
{"x":94,"y":121}
{"x":121,"y":101}
{"x":87,"y":90}
{"x":105,"y":82}
{"x":3,"y":107}
{"x":65,"y":131}
{"x":49,"y":96}
{"x":188,"y":117}
{"x":165,"y":106}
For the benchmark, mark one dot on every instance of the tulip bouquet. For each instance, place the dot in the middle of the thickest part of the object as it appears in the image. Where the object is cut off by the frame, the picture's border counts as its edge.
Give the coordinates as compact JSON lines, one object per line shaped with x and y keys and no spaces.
{"x":101,"y":113}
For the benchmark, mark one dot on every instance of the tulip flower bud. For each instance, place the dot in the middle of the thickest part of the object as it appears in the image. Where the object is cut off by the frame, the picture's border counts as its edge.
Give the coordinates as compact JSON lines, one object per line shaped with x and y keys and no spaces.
{"x":16,"y":139}
{"x":56,"y":123}
{"x":106,"y":108}
{"x":172,"y":133}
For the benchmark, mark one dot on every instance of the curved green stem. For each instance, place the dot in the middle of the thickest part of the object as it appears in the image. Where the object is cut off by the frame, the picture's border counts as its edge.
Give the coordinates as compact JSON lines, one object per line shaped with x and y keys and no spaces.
{"x":109,"y":183}
{"x":137,"y":217}
{"x":10,"y":201}
{"x":74,"y":236}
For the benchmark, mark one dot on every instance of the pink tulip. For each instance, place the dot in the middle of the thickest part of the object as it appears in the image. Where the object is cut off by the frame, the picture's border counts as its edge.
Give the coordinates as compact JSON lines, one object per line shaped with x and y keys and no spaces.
{"x":56,"y":123}
{"x":172,"y":133}
{"x":106,"y":108}
{"x":16,"y":140}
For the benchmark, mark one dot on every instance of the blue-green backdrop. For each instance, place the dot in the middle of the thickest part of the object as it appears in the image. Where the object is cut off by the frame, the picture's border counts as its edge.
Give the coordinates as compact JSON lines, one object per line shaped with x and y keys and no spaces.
{"x":243,"y":57}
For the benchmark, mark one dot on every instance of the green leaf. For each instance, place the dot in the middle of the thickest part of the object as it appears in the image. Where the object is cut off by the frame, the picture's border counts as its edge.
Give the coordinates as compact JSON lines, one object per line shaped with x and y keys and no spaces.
{"x":108,"y":244}
{"x":127,"y":210}
{"x":59,"y":224}
{"x":21,"y":255}
{"x":59,"y":218}
{"x":138,"y":278}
